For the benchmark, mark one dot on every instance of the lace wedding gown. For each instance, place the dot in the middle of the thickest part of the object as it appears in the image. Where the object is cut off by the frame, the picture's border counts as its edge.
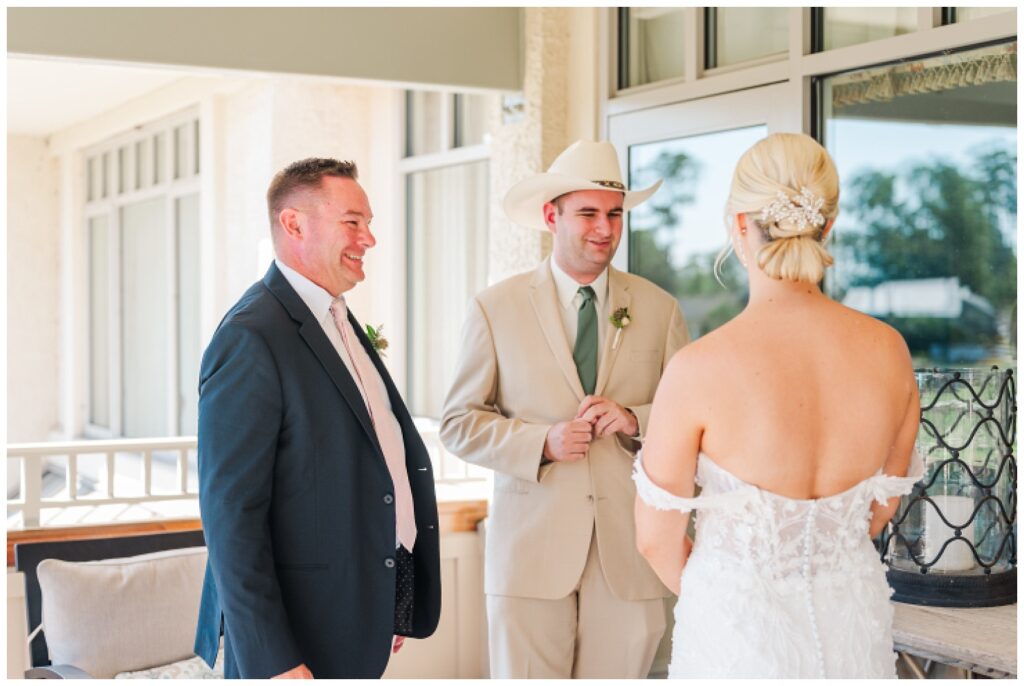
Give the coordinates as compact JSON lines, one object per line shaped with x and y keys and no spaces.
{"x":777,"y":587}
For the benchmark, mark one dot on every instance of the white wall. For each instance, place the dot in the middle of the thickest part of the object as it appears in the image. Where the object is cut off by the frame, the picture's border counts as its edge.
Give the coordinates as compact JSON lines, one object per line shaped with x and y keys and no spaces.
{"x":312,"y":118}
{"x":244,"y":131}
{"x":582,"y":93}
{"x":32,"y":290}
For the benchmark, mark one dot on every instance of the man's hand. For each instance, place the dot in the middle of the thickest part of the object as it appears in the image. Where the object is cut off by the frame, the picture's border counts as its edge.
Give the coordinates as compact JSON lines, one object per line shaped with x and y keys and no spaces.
{"x":398,"y":643}
{"x":568,"y":441}
{"x":607,"y":417}
{"x":300,"y":672}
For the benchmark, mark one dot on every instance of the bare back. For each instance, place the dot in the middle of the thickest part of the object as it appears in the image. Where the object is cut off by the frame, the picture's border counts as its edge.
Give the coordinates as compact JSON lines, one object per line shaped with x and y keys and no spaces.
{"x":802,"y":400}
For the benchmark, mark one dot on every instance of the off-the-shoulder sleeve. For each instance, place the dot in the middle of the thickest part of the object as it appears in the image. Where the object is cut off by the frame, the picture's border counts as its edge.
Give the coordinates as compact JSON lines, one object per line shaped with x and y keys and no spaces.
{"x":660,"y":499}
{"x":885,"y":486}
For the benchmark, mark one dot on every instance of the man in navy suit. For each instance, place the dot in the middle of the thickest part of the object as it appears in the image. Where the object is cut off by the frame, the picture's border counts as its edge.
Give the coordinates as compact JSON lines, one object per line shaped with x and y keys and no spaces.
{"x":316,"y":491}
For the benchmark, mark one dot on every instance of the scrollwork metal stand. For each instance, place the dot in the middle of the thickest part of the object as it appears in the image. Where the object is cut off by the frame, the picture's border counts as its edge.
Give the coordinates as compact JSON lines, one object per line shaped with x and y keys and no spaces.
{"x":953,"y":540}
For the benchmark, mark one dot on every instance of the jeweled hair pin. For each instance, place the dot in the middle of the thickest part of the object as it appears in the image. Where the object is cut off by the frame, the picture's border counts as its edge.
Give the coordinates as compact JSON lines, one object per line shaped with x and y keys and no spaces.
{"x":804,"y":210}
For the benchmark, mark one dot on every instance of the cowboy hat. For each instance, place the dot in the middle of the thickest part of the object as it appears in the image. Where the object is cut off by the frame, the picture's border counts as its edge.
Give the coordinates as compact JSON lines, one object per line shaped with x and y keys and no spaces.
{"x":583,"y":166}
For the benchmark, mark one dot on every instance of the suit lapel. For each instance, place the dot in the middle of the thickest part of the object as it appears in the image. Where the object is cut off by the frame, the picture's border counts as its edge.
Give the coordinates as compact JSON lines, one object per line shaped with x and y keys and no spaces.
{"x":313,"y":334}
{"x":544,"y":298}
{"x":618,"y":296}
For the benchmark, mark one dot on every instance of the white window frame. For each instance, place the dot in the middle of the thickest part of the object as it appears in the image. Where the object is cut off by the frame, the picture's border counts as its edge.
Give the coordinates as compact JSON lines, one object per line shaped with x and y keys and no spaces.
{"x":791,"y":78}
{"x":170,"y":188}
{"x":797,"y":69}
{"x":694,"y":118}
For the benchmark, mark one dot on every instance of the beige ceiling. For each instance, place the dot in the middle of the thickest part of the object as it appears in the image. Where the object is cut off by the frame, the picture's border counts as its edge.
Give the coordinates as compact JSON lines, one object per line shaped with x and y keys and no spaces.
{"x":47,"y":95}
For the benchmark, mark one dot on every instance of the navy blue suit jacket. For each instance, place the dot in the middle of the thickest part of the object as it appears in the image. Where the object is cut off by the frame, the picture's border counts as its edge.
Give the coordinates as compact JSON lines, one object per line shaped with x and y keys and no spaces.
{"x":293,"y":493}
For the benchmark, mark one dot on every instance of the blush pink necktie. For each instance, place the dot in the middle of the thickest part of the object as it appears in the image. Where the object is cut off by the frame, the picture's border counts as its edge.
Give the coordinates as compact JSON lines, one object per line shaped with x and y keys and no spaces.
{"x":389,"y":432}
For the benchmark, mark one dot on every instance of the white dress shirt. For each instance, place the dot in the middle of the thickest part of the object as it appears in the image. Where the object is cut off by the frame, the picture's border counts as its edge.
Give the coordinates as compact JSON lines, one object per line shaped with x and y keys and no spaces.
{"x":319,"y":303}
{"x":569,"y":301}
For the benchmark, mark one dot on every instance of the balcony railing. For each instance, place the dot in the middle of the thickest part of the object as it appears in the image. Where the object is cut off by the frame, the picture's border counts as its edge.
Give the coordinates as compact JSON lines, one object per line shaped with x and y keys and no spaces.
{"x":144,"y":472}
{"x":117,"y":489}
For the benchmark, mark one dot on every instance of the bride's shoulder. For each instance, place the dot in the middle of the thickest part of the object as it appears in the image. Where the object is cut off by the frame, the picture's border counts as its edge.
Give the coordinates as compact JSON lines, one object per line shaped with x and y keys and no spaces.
{"x":704,"y":356}
{"x":880,"y":336}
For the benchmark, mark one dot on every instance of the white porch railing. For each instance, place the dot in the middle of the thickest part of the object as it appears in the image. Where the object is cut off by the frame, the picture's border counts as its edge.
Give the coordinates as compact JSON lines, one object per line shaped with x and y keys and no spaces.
{"x":115,"y":487}
{"x":34,"y":456}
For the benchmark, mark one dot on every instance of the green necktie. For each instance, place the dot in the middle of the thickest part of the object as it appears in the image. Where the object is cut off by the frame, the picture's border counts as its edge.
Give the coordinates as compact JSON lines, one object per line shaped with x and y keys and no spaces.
{"x":584,"y":353}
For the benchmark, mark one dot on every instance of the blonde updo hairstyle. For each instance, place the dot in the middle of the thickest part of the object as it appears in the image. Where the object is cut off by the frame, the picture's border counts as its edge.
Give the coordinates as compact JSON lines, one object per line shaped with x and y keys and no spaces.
{"x":786,"y":163}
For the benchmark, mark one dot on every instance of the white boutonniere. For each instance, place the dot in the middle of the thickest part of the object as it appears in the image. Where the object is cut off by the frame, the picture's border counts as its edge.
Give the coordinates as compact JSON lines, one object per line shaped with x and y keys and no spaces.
{"x":377,"y":340}
{"x":620,"y":319}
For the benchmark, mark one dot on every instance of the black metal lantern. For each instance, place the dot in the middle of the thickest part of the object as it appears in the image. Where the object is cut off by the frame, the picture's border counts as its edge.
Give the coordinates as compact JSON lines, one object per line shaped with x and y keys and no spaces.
{"x":953,"y":540}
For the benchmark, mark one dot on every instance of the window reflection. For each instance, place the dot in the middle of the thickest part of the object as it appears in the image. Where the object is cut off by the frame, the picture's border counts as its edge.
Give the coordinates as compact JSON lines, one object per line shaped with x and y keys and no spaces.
{"x":650,"y":45}
{"x":844,"y":26}
{"x":675,"y":236}
{"x":739,"y":34}
{"x":471,"y":118}
{"x":971,"y":13}
{"x":926,"y":236}
{"x":423,"y":118}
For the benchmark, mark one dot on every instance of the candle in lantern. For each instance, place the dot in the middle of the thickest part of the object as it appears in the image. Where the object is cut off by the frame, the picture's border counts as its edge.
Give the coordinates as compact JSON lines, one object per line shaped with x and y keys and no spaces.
{"x":957,"y":556}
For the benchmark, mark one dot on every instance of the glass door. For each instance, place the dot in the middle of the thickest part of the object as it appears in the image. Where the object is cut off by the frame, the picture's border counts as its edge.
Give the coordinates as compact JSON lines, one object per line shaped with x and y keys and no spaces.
{"x":674,"y":238}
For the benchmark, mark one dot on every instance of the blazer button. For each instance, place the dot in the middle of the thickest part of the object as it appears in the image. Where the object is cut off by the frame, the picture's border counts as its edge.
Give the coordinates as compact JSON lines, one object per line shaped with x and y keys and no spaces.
{"x":389,"y":562}
{"x":388,"y":498}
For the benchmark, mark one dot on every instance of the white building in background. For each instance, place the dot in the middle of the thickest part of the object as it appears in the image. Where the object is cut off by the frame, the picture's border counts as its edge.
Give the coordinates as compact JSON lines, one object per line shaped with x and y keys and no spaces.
{"x":942,"y":298}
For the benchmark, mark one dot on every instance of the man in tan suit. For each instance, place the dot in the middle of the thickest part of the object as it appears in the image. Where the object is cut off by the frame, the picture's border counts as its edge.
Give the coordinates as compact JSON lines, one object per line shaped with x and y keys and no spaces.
{"x":554,"y":395}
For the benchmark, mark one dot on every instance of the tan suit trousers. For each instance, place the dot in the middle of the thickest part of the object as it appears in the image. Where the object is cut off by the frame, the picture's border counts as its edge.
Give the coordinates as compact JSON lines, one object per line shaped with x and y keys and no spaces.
{"x":589,"y":634}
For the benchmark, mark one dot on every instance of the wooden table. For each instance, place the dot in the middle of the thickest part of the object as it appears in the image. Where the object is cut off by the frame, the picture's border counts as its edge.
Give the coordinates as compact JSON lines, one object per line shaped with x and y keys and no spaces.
{"x":979,"y":640}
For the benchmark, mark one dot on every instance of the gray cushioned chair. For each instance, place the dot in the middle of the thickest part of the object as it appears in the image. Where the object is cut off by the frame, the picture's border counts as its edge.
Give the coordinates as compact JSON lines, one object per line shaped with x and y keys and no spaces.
{"x":28,"y":556}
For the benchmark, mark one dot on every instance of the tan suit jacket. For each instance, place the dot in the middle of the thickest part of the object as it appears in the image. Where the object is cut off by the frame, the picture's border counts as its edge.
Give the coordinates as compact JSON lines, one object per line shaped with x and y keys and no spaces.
{"x":515,"y":379}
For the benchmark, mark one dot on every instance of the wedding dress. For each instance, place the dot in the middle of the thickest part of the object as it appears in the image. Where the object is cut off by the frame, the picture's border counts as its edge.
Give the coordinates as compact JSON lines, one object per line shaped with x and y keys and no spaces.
{"x":777,"y":587}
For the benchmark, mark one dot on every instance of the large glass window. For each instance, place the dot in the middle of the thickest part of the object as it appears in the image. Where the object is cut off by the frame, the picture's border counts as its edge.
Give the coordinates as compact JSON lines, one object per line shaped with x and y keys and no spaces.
{"x":99,"y":322}
{"x":447,"y":203}
{"x":675,"y":237}
{"x":471,"y":118}
{"x":842,"y":26}
{"x":189,"y":353}
{"x":926,"y":236}
{"x":650,"y":45}
{"x":145,"y":329}
{"x":740,"y":34}
{"x":424,"y":122}
{"x":143,"y":269}
{"x":970,"y":13}
{"x":436,"y":122}
{"x":447,"y":248}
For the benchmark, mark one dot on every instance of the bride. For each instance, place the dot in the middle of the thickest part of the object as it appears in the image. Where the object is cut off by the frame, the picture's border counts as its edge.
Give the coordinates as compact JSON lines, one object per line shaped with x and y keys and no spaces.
{"x":798,"y":420}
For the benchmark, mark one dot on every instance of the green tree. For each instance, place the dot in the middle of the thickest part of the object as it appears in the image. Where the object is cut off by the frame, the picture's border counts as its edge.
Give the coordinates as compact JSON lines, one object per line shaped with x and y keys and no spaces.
{"x":654,"y":227}
{"x":652,"y":260}
{"x":697,"y":276}
{"x":937,"y":220}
